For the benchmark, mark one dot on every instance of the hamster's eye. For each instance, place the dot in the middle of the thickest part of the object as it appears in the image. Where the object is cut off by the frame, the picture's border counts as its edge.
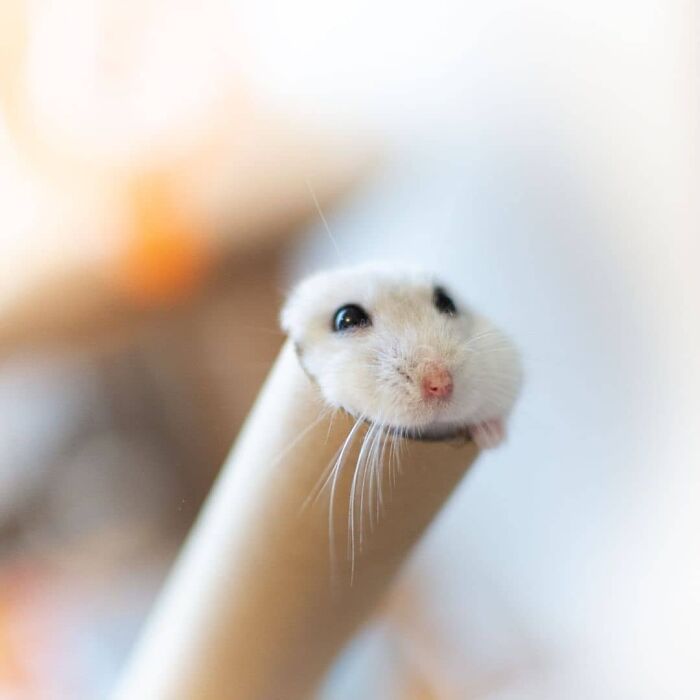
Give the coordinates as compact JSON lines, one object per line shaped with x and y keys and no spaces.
{"x":350,"y":316}
{"x":443,"y":302}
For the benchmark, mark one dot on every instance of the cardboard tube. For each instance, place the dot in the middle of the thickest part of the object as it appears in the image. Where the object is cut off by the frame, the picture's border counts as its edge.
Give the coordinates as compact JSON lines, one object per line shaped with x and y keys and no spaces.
{"x":261,"y":600}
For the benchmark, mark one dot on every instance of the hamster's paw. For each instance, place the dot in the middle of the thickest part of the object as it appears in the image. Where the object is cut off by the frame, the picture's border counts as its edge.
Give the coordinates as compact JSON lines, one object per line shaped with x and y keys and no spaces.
{"x":489,"y":434}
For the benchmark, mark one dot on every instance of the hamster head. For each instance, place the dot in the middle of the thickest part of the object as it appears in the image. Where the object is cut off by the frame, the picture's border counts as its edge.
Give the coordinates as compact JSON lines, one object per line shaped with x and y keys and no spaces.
{"x":396,"y":346}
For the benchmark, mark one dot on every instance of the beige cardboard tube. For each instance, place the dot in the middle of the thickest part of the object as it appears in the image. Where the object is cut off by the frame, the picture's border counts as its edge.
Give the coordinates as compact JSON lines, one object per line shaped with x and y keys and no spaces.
{"x":259,"y":602}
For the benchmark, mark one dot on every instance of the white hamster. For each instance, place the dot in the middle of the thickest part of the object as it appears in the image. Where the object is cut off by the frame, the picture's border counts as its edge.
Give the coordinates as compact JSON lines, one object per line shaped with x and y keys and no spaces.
{"x":392,"y":345}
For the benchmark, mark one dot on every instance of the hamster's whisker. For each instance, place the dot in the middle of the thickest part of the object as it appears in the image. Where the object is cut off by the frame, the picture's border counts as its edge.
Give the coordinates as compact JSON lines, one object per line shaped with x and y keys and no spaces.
{"x":331,"y":503}
{"x":382,"y":462}
{"x":298,"y":438}
{"x":484,"y":334}
{"x":333,"y":471}
{"x":325,"y":477}
{"x":352,"y":534}
{"x":399,"y":436}
{"x":379,"y":469}
{"x":367,"y":481}
{"x":371,"y":495}
{"x":362,"y":478}
{"x":333,"y":413}
{"x":391,"y":439}
{"x":370,"y":471}
{"x":394,"y":457}
{"x":496,"y":383}
{"x":495,"y":380}
{"x":488,"y":349}
{"x":324,"y":221}
{"x":374,"y":471}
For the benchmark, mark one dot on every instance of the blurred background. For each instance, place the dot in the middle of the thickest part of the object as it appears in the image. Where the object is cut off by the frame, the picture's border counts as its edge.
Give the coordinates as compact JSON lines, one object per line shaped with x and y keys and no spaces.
{"x":163,"y":166}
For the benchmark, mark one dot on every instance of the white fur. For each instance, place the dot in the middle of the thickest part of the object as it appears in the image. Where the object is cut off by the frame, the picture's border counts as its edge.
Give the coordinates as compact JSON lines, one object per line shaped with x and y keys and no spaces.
{"x":375,"y":371}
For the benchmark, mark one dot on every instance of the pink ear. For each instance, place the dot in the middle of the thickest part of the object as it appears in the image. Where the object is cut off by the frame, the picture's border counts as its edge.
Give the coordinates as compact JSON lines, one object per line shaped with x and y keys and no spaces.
{"x":489,"y":434}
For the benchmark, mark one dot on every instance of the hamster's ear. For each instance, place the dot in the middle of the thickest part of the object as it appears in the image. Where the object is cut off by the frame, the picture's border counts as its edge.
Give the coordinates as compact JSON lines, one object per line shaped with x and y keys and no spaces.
{"x":303,"y":303}
{"x":293,"y":312}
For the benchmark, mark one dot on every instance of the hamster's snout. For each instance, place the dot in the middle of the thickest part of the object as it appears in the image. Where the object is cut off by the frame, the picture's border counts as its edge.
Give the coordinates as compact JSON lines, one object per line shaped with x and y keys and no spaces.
{"x":436,"y":382}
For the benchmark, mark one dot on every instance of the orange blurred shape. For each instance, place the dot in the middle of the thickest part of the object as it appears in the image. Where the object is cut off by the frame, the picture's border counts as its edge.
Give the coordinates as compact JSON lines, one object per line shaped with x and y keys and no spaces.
{"x":11,"y":670}
{"x":14,"y":641}
{"x":164,"y":259}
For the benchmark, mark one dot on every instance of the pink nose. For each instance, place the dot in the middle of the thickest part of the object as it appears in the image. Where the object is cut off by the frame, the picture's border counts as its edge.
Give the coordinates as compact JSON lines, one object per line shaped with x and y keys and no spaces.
{"x":437,"y":382}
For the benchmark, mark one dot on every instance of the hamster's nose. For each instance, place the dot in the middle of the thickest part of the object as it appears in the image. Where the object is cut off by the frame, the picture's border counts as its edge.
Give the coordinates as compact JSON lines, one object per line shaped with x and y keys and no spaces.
{"x":437,"y":382}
